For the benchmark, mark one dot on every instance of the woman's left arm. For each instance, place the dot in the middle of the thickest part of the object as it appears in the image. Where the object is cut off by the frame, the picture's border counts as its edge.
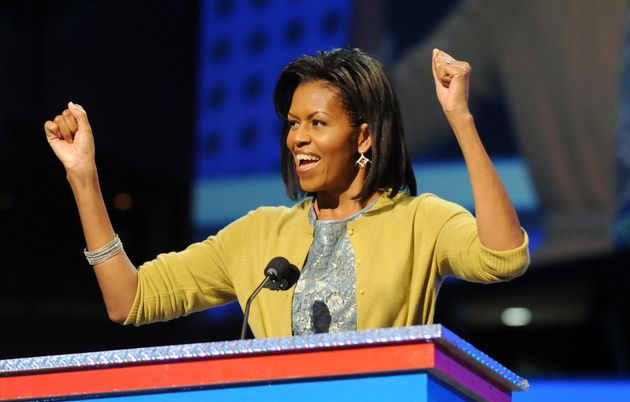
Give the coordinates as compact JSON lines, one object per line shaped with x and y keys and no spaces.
{"x":497,"y":222}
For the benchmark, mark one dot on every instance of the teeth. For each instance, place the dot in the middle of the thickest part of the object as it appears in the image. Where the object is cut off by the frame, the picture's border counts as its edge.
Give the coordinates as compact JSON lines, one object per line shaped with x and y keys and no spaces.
{"x":304,"y":157}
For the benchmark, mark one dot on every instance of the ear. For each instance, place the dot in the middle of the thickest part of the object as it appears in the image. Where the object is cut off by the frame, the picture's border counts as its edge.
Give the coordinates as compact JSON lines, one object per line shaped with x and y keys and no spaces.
{"x":364,"y":138}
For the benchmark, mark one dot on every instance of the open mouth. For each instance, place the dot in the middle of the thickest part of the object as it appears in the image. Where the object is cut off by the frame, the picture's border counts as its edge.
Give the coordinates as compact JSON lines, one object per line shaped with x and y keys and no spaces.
{"x":304,"y":162}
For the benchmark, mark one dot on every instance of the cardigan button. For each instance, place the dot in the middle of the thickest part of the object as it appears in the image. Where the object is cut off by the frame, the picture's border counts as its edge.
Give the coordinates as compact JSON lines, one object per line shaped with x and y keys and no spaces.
{"x":350,"y":231}
{"x":362,"y":292}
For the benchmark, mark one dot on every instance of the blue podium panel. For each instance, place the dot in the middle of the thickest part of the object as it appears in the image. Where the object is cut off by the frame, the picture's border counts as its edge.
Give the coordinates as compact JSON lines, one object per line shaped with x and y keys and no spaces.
{"x":414,"y":387}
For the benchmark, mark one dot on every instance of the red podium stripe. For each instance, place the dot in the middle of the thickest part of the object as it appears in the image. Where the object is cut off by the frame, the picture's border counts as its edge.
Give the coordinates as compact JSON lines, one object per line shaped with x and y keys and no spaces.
{"x":229,"y":370}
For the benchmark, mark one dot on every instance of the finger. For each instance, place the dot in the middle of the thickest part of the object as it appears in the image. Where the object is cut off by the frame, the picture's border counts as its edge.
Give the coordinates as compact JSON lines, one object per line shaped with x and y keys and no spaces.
{"x":446,"y":81}
{"x":52,"y":130}
{"x":63,"y":128}
{"x":71,"y":122}
{"x":80,"y":115}
{"x":448,"y":71}
{"x":442,"y":67}
{"x":450,"y":64}
{"x":438,"y":76}
{"x":465,"y":66}
{"x":444,"y":58}
{"x":444,"y":74}
{"x":434,"y":62}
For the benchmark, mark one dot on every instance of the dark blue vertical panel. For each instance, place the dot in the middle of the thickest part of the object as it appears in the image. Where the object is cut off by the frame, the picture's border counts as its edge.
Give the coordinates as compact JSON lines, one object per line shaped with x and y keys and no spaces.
{"x":243,"y":46}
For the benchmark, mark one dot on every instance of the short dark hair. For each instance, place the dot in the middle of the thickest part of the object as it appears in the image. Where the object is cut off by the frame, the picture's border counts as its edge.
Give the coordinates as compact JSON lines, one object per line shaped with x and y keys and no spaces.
{"x":368,"y":97}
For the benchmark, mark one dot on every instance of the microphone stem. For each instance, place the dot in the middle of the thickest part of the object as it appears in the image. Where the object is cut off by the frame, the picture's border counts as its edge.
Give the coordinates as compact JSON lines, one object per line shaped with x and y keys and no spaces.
{"x":249,"y":303}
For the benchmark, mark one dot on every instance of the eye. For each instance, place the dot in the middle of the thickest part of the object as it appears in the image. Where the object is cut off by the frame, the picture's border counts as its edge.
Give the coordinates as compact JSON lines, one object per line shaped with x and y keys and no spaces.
{"x":318,"y":123}
{"x":292,"y":123}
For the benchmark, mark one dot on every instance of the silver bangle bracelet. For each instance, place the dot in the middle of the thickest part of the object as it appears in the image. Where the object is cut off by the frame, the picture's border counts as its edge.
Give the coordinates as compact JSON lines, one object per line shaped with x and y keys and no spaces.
{"x":104,"y":253}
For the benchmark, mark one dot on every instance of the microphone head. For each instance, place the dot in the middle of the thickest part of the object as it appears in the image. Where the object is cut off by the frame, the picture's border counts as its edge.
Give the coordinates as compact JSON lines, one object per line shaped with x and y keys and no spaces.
{"x":282,"y":274}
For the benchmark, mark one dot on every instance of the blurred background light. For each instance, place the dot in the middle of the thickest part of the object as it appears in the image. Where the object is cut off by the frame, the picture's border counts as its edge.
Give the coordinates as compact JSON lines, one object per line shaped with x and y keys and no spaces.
{"x":516,"y":316}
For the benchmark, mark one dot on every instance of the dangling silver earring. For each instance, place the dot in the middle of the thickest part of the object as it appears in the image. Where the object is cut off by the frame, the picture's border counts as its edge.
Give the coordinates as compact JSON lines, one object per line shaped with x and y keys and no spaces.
{"x":362,"y":161}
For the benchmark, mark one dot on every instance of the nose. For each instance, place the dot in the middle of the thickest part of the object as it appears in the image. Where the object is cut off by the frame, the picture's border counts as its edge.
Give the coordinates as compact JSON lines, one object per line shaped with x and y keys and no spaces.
{"x":298,"y":136}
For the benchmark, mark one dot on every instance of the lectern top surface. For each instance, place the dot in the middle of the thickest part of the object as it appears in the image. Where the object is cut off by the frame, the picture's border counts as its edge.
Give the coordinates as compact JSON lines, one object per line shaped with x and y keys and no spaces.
{"x":423,"y":333}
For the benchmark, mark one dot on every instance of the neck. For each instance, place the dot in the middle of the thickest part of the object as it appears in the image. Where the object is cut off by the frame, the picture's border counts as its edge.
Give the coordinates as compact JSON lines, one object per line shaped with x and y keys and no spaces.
{"x":339,"y":206}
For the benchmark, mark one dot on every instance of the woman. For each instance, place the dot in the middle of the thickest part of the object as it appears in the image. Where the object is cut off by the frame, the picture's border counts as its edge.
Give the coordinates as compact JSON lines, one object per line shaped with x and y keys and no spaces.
{"x":371,"y":255}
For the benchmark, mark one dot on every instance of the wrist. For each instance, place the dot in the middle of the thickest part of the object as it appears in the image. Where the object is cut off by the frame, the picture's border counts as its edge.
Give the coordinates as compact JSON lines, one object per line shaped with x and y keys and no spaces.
{"x":460,"y":118}
{"x":458,"y":114}
{"x":82,"y":175}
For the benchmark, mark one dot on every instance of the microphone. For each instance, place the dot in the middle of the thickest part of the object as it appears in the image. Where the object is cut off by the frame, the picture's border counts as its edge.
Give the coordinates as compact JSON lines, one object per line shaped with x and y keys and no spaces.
{"x":280,"y":274}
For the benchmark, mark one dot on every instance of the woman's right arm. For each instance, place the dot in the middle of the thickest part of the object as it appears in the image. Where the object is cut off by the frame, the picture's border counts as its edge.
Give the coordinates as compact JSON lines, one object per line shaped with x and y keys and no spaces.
{"x":70,"y":137}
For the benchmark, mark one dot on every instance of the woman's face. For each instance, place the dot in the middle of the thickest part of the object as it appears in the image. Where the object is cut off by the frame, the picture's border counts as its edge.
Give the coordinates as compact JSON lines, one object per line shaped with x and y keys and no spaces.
{"x":323,"y":143}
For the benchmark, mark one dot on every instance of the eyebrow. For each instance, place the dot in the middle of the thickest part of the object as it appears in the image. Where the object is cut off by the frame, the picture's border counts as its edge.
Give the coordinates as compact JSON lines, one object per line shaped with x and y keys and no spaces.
{"x":309,"y":116}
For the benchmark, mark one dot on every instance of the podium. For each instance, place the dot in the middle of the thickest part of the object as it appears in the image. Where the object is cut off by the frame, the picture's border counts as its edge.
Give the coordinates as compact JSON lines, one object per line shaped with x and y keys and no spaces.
{"x":420,"y":363}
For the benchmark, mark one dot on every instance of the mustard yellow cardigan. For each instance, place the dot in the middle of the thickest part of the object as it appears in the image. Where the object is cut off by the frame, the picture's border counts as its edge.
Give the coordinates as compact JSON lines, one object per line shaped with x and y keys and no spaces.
{"x":404,"y":247}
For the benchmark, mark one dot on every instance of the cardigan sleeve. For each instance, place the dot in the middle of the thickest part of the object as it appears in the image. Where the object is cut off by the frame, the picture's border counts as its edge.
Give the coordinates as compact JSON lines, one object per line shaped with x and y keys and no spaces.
{"x":201,"y":276}
{"x":460,"y":253}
